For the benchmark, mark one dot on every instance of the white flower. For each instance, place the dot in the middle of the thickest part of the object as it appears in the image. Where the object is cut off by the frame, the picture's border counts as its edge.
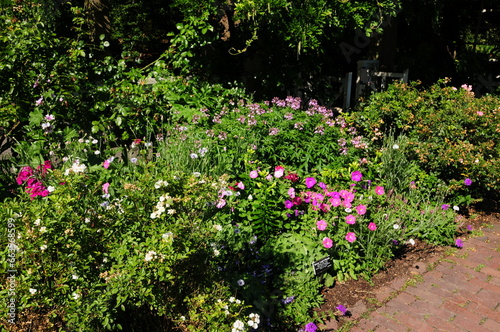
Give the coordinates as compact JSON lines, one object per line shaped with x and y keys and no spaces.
{"x":411,"y":241}
{"x":218,"y":227}
{"x":43,"y":247}
{"x":74,"y":276}
{"x":150,"y":255}
{"x":196,"y":174}
{"x":232,"y":299}
{"x":43,"y":229}
{"x":167,"y":236}
{"x":250,"y":197}
{"x":51,"y":189}
{"x":203,"y":151}
{"x":183,"y":318}
{"x":193,"y":156}
{"x":238,"y":326}
{"x":395,"y":146}
{"x":75,"y":296}
{"x":241,"y":282}
{"x":33,"y":291}
{"x":153,"y":215}
{"x":348,"y":210}
{"x":171,"y":211}
{"x":97,"y":152}
{"x":37,"y":222}
{"x":396,"y":226}
{"x":455,"y":208}
{"x":216,"y":252}
{"x":254,"y":320}
{"x":87,"y":220}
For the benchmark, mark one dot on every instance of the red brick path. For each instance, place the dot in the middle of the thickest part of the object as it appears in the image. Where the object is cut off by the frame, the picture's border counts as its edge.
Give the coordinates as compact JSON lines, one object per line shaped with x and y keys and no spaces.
{"x":460,"y":292}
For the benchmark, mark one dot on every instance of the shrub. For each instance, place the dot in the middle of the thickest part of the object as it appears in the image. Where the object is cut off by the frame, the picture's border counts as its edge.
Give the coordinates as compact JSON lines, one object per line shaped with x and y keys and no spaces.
{"x":450,"y":133}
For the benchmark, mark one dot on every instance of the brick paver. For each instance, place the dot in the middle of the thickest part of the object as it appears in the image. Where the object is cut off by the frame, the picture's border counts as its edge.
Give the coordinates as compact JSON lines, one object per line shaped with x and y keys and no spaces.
{"x":461,"y":293}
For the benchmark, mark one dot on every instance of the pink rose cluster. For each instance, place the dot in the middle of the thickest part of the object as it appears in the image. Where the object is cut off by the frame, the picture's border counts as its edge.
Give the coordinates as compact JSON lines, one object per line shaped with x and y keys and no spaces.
{"x":30,"y":178}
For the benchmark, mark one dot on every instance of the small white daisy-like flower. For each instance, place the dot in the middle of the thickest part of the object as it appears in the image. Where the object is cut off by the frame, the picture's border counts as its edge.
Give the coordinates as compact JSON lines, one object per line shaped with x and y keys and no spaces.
{"x":43,"y":229}
{"x":216,"y":252}
{"x":97,"y":152}
{"x":37,"y":222}
{"x":43,"y":247}
{"x":167,"y":236}
{"x":51,"y":189}
{"x":74,"y":276}
{"x":75,"y":296}
{"x":396,"y":226}
{"x":411,"y":241}
{"x":150,"y":255}
{"x":395,"y":146}
{"x":33,"y":291}
{"x":218,"y":227}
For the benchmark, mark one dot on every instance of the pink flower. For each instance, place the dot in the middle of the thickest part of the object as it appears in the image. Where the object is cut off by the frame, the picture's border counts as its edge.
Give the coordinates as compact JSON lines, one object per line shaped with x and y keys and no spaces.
{"x":221,"y":203}
{"x":24,"y":174}
{"x":379,"y":190}
{"x":480,"y":113}
{"x":467,"y":182}
{"x":254,"y":174}
{"x":291,"y":192}
{"x":105,"y":187}
{"x":240,"y":185}
{"x":356,"y":176}
{"x":321,"y":225}
{"x":288,"y":204}
{"x":350,"y":219}
{"x":335,"y":201}
{"x":310,"y":182}
{"x":350,"y":237}
{"x":372,"y":226}
{"x":279,"y":171}
{"x":327,"y":243}
{"x":361,"y":209}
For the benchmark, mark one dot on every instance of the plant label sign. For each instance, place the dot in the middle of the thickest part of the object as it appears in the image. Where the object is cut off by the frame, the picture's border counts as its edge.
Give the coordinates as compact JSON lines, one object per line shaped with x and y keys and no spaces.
{"x":322,"y":265}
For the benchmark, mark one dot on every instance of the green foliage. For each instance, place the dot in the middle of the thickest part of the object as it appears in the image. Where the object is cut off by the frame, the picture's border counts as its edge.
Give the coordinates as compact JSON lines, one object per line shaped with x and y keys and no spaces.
{"x":449,"y":132}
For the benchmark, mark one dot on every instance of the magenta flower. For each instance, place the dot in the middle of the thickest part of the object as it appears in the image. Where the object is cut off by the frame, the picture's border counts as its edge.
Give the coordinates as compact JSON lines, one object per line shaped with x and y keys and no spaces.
{"x":350,"y":219}
{"x":350,"y":237}
{"x":288,"y":204}
{"x":372,"y":226}
{"x":335,"y":201}
{"x":445,"y":206}
{"x":254,"y":174}
{"x":327,"y":243}
{"x":469,"y":228}
{"x":310,"y":182}
{"x":467,"y":182}
{"x":310,"y":327}
{"x":24,"y":174}
{"x":105,"y":187}
{"x":379,"y":190}
{"x":361,"y":209}
{"x":459,"y":243}
{"x":107,"y":162}
{"x":279,"y":171}
{"x":321,"y":225}
{"x":356,"y":176}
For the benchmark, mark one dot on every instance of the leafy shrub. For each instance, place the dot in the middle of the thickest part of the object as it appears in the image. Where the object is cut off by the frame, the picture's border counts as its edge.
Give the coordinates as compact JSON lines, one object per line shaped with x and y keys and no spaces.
{"x":450,"y":133}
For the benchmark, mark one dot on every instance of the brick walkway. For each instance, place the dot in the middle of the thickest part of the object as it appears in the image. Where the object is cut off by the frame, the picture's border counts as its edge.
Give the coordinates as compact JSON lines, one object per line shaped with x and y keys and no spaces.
{"x":460,"y":292}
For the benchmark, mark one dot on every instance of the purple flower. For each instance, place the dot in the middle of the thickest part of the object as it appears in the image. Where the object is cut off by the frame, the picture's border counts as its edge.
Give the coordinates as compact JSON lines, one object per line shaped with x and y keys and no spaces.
{"x":459,"y":243}
{"x":288,"y":300}
{"x":469,"y":228}
{"x":342,"y":309}
{"x":310,"y":182}
{"x":445,"y":206}
{"x":310,"y":327}
{"x":288,"y":204}
{"x":467,"y":182}
{"x":322,"y":185}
